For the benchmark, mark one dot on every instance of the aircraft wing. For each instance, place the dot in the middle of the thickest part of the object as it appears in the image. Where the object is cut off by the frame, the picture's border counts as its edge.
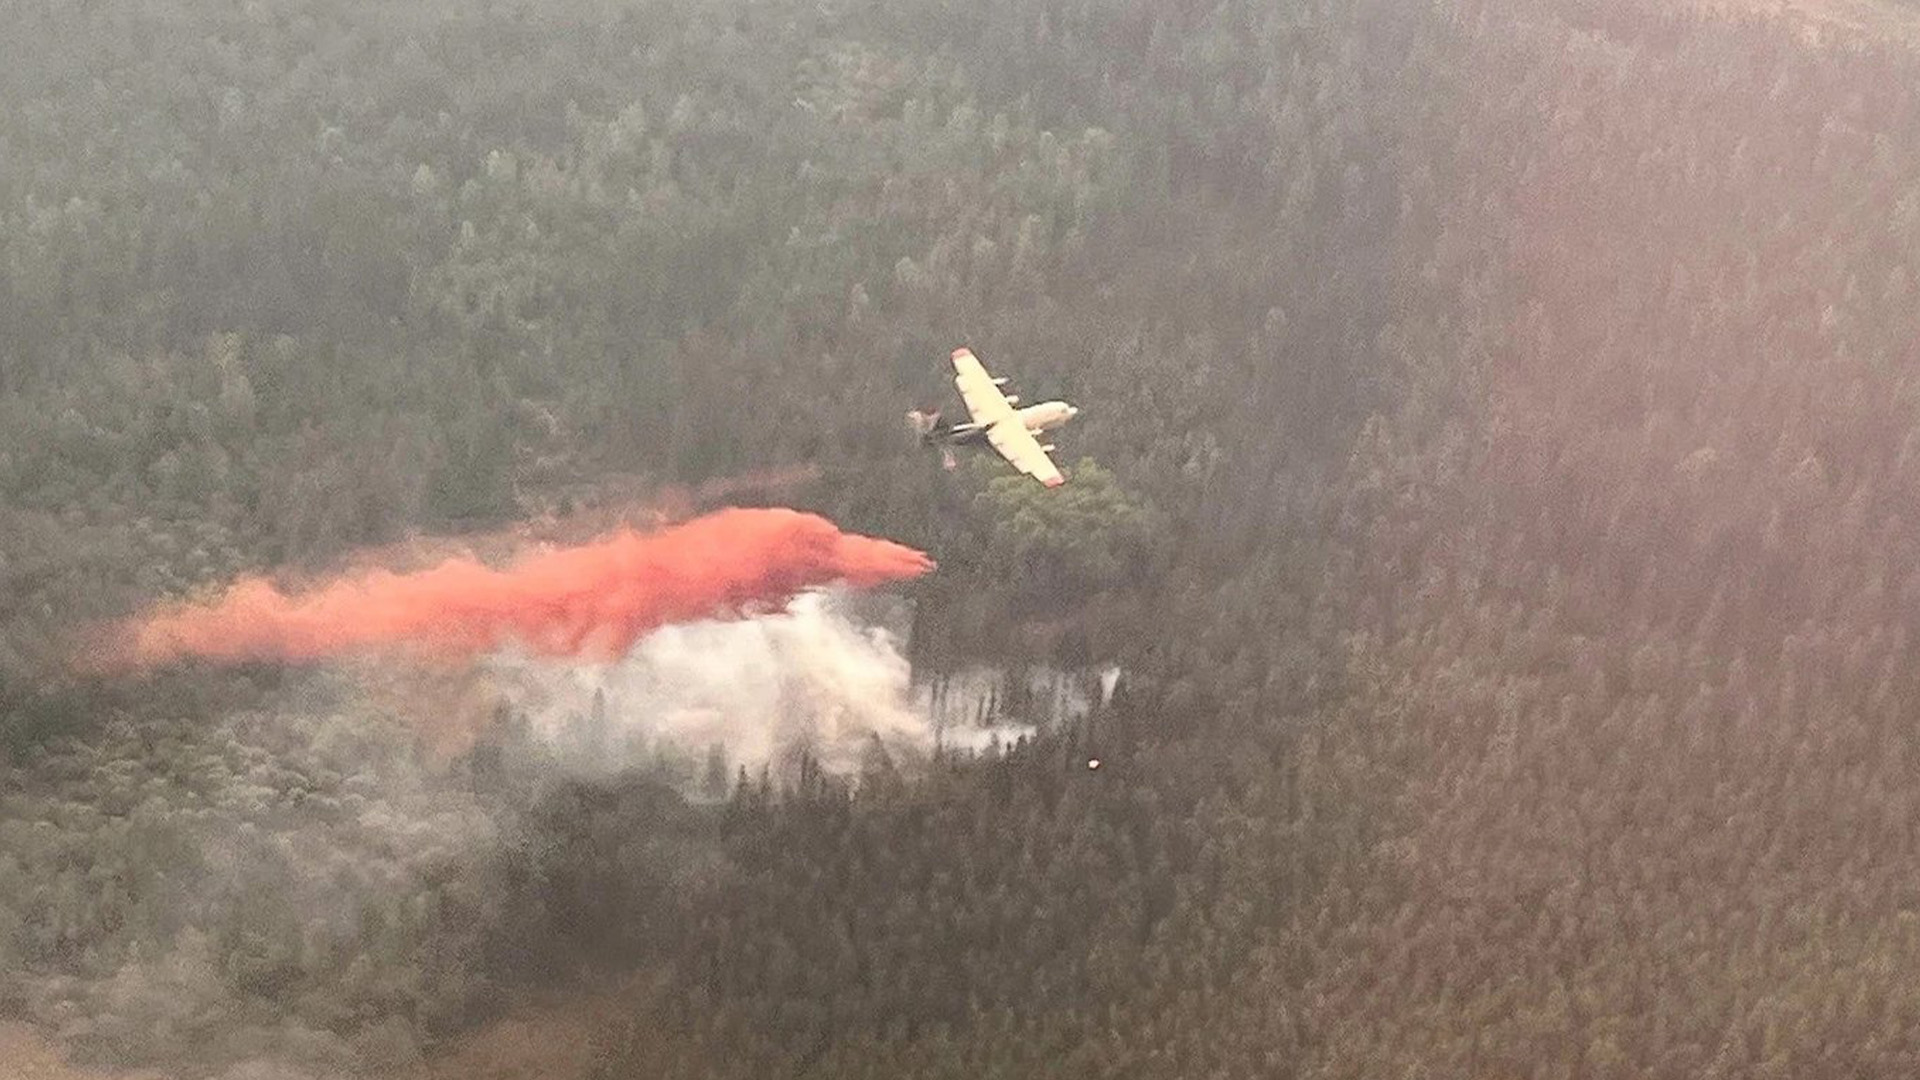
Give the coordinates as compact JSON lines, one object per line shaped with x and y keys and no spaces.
{"x":985,"y":403}
{"x":1010,"y":436}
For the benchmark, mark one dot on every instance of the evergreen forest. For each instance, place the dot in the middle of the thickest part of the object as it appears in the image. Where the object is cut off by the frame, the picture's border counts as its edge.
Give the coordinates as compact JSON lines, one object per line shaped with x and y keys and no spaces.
{"x":1496,"y":480}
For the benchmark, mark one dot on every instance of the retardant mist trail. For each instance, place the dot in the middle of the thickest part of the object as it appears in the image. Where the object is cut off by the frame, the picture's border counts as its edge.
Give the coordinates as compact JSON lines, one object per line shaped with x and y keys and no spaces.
{"x":594,"y":600}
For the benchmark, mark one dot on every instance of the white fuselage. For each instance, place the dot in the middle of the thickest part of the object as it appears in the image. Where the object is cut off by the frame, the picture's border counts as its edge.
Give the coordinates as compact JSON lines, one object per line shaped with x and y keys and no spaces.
{"x":1038,"y":418}
{"x":1047,"y":415}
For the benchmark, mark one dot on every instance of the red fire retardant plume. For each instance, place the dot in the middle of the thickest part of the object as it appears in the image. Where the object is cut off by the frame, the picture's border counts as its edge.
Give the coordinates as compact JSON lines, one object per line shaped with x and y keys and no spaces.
{"x":594,"y":600}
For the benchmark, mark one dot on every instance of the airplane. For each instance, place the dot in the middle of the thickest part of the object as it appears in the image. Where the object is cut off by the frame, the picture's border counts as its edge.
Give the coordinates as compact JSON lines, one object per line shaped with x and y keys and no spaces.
{"x":994,"y":420}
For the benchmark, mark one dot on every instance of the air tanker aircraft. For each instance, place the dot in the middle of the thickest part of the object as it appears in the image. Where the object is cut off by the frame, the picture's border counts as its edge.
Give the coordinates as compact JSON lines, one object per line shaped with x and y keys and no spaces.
{"x":994,"y":420}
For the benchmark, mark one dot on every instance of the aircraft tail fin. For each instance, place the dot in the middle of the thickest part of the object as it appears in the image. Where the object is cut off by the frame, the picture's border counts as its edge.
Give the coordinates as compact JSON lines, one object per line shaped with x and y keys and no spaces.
{"x":924,"y":424}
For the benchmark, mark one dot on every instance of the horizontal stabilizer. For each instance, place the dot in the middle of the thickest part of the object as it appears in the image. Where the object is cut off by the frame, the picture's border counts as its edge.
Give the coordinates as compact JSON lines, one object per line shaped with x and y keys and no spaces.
{"x":924,"y":424}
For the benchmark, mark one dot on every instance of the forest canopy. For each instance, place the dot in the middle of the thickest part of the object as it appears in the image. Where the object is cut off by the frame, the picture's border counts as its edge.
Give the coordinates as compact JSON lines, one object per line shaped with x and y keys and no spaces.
{"x":1493,"y":479}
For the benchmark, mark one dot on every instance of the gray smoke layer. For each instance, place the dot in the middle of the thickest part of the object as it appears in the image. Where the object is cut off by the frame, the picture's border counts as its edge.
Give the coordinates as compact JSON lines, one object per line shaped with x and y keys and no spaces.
{"x":300,"y":889}
{"x":235,"y":890}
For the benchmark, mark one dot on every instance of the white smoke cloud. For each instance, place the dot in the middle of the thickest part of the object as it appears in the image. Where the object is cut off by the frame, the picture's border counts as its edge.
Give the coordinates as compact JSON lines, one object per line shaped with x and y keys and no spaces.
{"x":827,"y":675}
{"x":762,"y":689}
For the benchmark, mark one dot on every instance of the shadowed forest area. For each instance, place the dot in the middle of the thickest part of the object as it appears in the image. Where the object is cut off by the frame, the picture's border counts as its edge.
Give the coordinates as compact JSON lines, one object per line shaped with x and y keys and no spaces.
{"x":1496,"y":479}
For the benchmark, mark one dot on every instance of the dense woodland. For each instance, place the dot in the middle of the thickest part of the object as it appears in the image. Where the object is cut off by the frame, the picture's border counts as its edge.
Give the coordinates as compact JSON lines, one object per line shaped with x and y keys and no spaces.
{"x":1495,"y":477}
